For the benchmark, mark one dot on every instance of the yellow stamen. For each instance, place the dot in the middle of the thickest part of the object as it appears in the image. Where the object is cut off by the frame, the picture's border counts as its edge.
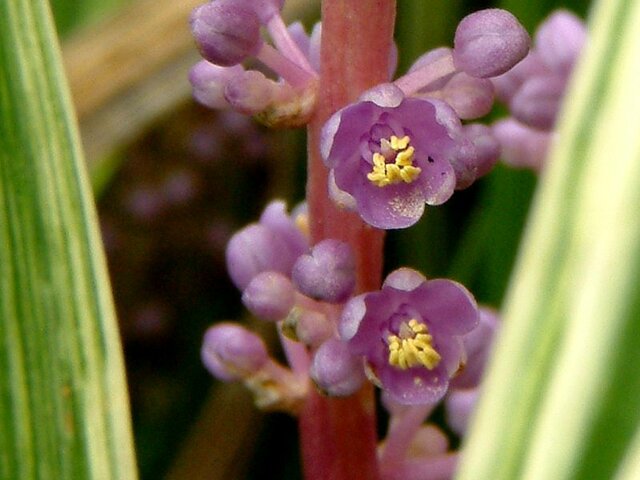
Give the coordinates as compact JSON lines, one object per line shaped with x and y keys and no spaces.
{"x":402,"y":170}
{"x":414,"y":347}
{"x":302,"y":223}
{"x":399,"y":143}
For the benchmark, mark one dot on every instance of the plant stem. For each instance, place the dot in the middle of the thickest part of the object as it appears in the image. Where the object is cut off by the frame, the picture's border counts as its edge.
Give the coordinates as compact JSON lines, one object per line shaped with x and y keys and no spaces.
{"x":338,"y":436}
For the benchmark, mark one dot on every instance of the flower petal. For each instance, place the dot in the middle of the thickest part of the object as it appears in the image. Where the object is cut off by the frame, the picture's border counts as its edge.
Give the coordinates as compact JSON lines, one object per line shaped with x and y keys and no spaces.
{"x":447,"y":306}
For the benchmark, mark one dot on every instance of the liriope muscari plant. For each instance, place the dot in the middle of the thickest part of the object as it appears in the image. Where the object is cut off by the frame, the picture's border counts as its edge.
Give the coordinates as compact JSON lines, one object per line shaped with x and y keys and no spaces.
{"x":382,"y":150}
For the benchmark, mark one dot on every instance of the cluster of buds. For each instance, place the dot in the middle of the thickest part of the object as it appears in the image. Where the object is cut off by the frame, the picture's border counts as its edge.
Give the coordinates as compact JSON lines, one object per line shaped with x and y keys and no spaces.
{"x":408,"y":337}
{"x":534,"y":90}
{"x":227,"y":33}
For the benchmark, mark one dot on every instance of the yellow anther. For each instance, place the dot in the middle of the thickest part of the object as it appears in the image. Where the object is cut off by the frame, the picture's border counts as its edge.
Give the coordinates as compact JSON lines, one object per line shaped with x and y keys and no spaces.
{"x":413,"y":347}
{"x":401,"y":170}
{"x":302,"y":223}
{"x":399,"y":143}
{"x":405,"y":157}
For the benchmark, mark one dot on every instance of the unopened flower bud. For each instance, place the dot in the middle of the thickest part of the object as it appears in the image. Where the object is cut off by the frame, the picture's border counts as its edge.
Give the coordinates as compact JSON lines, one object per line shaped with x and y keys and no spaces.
{"x":537,"y":102}
{"x":469,"y":96}
{"x":231,"y":352}
{"x":508,"y":84}
{"x":253,"y":250}
{"x":226,"y":31}
{"x":269,"y":296}
{"x":429,"y":441}
{"x":439,"y":63}
{"x":328,"y":273}
{"x":486,"y":145}
{"x":335,"y":371}
{"x":250,"y":92}
{"x":272,"y":244}
{"x":489,"y":42}
{"x":276,"y":219}
{"x":559,"y":41}
{"x":477,"y":344}
{"x":459,"y":406}
{"x":307,"y":326}
{"x":209,"y":81}
{"x":521,"y":146}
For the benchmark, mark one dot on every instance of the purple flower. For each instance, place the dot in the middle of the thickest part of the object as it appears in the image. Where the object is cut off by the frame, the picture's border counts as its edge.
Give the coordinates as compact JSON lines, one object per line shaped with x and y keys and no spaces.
{"x":409,"y":334}
{"x":390,"y":154}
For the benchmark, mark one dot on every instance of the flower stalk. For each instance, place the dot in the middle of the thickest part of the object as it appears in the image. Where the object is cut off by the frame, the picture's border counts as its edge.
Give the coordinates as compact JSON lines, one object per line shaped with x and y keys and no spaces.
{"x":338,"y":436}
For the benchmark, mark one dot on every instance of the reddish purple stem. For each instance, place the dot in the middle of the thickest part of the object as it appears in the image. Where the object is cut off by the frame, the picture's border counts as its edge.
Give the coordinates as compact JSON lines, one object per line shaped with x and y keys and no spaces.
{"x":338,"y":436}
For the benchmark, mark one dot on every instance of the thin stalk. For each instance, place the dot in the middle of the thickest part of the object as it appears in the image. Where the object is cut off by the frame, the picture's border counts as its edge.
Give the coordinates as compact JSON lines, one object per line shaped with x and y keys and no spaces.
{"x":338,"y":436}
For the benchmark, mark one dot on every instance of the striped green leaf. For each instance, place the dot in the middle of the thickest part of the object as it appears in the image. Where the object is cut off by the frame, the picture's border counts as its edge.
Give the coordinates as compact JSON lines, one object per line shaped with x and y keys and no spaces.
{"x":63,"y":403}
{"x":562,"y":397}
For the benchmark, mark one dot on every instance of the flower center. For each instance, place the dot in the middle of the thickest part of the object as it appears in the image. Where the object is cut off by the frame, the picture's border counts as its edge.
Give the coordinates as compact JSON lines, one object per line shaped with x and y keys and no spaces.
{"x":400,"y":169}
{"x":412,"y":347}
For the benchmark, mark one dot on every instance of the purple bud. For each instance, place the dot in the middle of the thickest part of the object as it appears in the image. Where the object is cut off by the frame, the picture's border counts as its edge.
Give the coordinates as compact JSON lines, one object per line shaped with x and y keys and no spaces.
{"x":522,"y":146}
{"x":465,"y":163}
{"x":273,"y":244}
{"x":536,"y":103}
{"x":559,"y":41}
{"x":250,"y":92}
{"x":459,"y":406}
{"x":231,"y":352}
{"x":477,"y":343}
{"x":313,"y":327}
{"x":487,"y":147}
{"x":489,"y":42}
{"x":307,"y":326}
{"x":226,"y":31}
{"x":335,"y":371}
{"x":507,"y":85}
{"x":208,"y":82}
{"x":469,"y":96}
{"x":253,"y":250}
{"x":269,"y":296}
{"x":430,"y":60}
{"x":328,"y":273}
{"x":275,"y":218}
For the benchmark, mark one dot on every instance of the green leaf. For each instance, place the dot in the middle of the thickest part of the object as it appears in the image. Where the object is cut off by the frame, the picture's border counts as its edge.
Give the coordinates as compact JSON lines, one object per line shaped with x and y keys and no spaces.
{"x":63,"y":403}
{"x":562,"y":396}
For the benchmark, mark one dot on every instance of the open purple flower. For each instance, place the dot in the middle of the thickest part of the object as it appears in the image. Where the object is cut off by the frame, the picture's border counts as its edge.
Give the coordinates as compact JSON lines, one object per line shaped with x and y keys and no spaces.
{"x":390,"y":154}
{"x":409,"y":334}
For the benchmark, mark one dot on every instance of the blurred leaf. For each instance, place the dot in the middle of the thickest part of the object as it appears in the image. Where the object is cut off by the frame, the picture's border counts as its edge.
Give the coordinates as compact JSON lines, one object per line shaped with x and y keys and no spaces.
{"x":70,"y":14}
{"x":416,"y":32}
{"x":484,"y":258}
{"x":531,"y":14}
{"x":562,"y":397}
{"x":63,"y":403}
